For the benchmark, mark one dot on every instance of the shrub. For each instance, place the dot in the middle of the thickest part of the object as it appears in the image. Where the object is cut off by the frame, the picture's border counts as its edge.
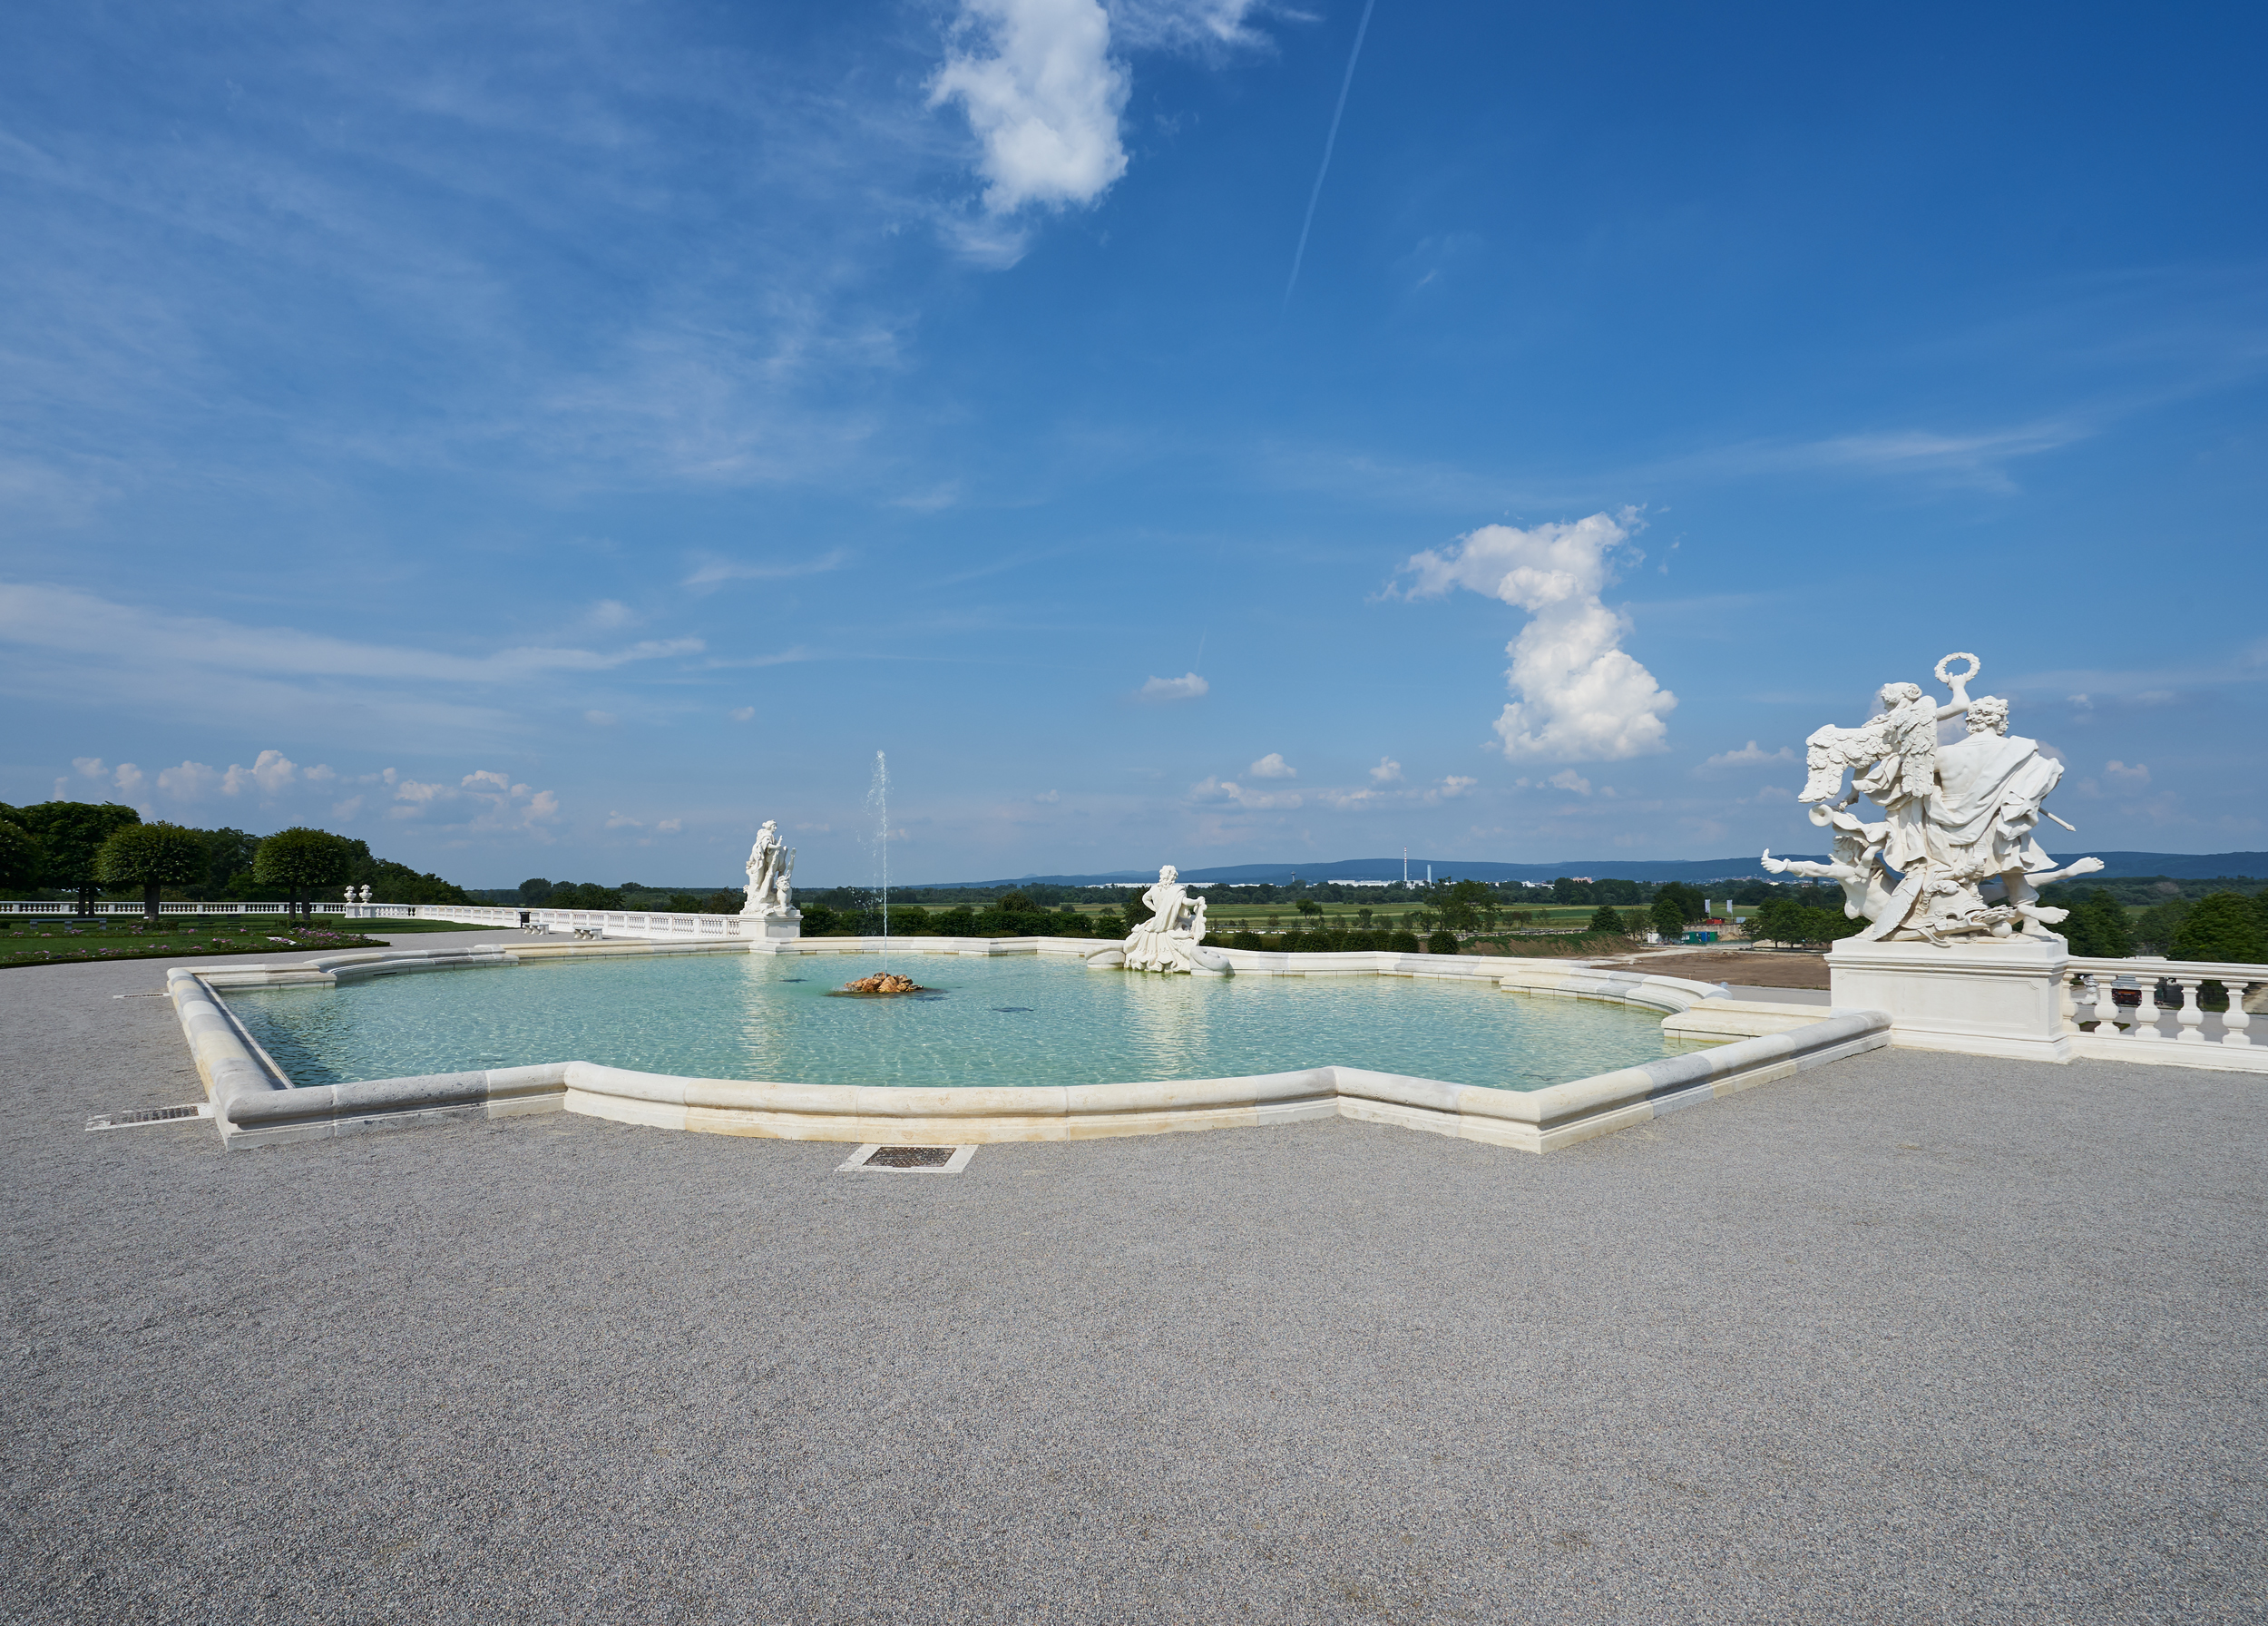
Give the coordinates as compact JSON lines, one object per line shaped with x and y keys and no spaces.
{"x":1404,"y":942}
{"x":1243,"y":940}
{"x":1442,"y":943}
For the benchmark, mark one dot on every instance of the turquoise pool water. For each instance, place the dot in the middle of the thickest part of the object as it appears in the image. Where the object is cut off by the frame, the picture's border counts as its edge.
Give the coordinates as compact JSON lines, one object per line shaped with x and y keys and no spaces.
{"x":990,"y":1021}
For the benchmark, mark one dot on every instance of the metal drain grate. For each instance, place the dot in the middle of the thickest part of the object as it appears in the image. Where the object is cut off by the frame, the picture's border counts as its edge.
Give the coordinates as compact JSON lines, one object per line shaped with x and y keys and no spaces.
{"x":150,"y":1115}
{"x":911,"y":1157}
{"x":909,"y":1160}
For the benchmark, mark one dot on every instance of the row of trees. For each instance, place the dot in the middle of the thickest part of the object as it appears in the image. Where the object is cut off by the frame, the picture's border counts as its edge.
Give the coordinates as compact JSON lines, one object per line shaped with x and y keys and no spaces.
{"x":2222,"y":926}
{"x":85,"y":848}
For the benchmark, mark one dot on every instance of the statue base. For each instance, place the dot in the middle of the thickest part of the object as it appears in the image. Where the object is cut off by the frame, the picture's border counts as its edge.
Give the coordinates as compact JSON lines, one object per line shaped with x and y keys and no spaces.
{"x":772,"y":928}
{"x":2001,"y":997}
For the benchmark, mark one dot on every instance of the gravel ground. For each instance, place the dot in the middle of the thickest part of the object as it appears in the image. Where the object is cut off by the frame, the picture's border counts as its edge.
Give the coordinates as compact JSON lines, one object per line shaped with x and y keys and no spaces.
{"x":1911,"y":1339}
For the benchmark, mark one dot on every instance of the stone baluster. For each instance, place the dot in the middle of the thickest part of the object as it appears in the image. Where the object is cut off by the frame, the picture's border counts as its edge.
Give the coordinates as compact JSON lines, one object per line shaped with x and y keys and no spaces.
{"x":2192,"y":1018}
{"x":2068,"y":1004}
{"x":2146,"y":1014}
{"x":2234,"y":1024}
{"x":2106,"y":1003}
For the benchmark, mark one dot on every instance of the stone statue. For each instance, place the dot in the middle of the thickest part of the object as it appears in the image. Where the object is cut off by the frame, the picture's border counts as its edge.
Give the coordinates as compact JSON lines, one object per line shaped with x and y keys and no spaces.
{"x":769,"y":868}
{"x":365,"y":892}
{"x":1959,"y":820}
{"x":1172,"y":938}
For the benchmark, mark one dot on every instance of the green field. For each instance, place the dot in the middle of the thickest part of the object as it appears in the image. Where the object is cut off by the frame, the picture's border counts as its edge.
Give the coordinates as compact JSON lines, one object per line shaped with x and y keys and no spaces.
{"x":57,"y":941}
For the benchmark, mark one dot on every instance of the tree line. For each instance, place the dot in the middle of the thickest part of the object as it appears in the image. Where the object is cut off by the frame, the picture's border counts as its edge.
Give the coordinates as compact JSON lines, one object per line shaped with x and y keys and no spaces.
{"x":84,"y":848}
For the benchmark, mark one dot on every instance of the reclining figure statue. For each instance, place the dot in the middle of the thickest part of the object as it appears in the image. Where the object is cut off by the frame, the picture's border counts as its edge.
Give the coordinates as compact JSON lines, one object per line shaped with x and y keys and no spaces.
{"x":1171,"y":939}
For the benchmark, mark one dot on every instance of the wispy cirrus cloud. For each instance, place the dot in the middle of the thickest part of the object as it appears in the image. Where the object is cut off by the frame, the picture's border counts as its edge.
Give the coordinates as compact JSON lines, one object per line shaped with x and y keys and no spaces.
{"x":714,"y":572}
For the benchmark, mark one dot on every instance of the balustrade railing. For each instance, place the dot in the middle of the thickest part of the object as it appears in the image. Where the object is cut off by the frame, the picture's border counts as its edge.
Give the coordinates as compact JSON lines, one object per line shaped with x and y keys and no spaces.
{"x":598,"y":923}
{"x":2121,"y":1000}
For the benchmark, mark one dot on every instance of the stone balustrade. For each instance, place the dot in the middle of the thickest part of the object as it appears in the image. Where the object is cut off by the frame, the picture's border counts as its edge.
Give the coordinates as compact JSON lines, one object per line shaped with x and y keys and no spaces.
{"x":2093,"y":1012}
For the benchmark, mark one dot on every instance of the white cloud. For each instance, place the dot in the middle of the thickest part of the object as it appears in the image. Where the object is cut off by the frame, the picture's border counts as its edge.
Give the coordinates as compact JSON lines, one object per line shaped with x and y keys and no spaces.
{"x":1273,"y":766}
{"x":128,"y":777}
{"x":321,"y":774}
{"x":485,"y":779}
{"x":1387,"y":771}
{"x":742,"y":714}
{"x":2124,"y":778}
{"x":670,"y":827}
{"x":189,"y":782}
{"x":1182,"y":24}
{"x":620,"y":821}
{"x":270,"y":771}
{"x":729,"y":569}
{"x":419,"y":796}
{"x":1456,"y":785}
{"x":1749,"y":755}
{"x":1227,"y":791}
{"x":343,"y":811}
{"x":1047,"y":795}
{"x":1567,"y":779}
{"x":611,"y":613}
{"x":1186,"y":687}
{"x":1043,"y":96}
{"x":1582,"y":698}
{"x":91,"y":767}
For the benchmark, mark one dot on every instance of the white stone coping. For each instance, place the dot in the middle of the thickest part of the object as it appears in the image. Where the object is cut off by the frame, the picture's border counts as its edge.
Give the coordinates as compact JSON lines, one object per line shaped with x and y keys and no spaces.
{"x":255,"y":1104}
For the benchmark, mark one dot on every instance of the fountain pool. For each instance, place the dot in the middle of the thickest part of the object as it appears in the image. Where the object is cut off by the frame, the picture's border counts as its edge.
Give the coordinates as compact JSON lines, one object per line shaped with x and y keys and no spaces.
{"x":988,"y":1023}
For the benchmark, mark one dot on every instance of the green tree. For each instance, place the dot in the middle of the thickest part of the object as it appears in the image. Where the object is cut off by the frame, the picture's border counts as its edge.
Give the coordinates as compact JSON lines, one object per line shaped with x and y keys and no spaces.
{"x":1668,"y":916}
{"x":2222,"y":926}
{"x":2098,"y":927}
{"x":534,"y":893}
{"x":1604,"y":919}
{"x":1567,"y":889}
{"x":151,"y":857}
{"x":70,"y":835}
{"x":301,"y":860}
{"x":1308,"y":906}
{"x":19,"y":856}
{"x":2155,"y":927}
{"x":1779,"y":920}
{"x":227,"y":854}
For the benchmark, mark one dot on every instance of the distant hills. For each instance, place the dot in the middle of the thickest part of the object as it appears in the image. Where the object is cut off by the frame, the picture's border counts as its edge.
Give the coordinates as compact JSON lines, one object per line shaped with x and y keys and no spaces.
{"x":2179,"y":867}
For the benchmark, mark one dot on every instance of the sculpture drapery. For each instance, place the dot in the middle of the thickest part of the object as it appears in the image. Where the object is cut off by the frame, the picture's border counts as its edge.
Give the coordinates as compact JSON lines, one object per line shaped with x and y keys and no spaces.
{"x":1959,"y":820}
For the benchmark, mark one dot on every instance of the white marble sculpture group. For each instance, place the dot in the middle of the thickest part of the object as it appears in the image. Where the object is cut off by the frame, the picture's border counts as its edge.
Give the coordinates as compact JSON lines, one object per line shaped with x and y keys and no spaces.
{"x":770,"y":868}
{"x":1958,"y":824}
{"x":1171,"y":939}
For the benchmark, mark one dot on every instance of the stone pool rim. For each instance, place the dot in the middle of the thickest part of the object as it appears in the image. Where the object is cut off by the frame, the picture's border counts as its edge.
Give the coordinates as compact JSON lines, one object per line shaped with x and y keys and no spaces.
{"x":256,"y":1104}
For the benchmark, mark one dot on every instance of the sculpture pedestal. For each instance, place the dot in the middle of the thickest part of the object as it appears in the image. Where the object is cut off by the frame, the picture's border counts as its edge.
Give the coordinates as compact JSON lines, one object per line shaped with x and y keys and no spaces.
{"x":1993,"y":998}
{"x":773,"y":928}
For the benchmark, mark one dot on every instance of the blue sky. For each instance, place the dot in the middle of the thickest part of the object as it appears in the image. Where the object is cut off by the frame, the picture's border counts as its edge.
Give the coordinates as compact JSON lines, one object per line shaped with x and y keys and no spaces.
{"x":550,"y":439}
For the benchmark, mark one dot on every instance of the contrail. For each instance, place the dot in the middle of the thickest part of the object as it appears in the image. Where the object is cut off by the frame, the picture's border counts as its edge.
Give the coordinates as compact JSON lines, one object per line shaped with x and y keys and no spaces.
{"x":1329,"y":141}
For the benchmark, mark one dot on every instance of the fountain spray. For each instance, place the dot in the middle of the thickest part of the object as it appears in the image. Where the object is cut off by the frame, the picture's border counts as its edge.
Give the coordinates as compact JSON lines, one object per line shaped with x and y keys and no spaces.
{"x":879,"y":799}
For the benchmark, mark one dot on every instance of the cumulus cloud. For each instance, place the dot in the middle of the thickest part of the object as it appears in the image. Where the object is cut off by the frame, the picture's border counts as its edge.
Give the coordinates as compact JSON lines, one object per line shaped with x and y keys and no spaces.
{"x":670,"y":827}
{"x":1229,"y":793}
{"x":91,"y":767}
{"x":1186,"y":687}
{"x":270,"y":771}
{"x":1273,"y":766}
{"x":1043,"y":96}
{"x":1580,"y":697}
{"x":2123,"y":776}
{"x":621,"y":821}
{"x":1567,"y":779}
{"x":189,"y":781}
{"x":1387,"y":771}
{"x":1749,"y":755}
{"x":1456,"y":785}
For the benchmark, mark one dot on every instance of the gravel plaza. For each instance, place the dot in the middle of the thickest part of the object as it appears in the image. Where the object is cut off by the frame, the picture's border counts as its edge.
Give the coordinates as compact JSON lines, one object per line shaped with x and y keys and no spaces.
{"x":1791,"y":1357}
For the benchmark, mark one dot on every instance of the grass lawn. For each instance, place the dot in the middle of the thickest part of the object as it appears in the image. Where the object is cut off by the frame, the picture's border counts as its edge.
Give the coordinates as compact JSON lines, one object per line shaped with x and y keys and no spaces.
{"x":36,"y":942}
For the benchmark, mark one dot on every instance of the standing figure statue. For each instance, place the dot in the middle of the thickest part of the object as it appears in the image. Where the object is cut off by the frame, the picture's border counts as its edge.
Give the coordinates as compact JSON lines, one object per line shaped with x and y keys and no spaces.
{"x":1172,"y":938}
{"x":770,"y":868}
{"x":1959,"y":820}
